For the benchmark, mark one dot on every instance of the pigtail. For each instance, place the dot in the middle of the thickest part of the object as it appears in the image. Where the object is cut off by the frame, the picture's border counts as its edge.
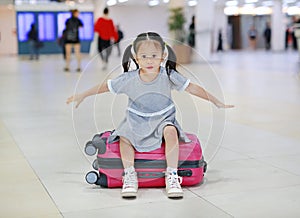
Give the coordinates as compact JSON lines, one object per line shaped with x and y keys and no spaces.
{"x":171,"y":60}
{"x":127,"y":57}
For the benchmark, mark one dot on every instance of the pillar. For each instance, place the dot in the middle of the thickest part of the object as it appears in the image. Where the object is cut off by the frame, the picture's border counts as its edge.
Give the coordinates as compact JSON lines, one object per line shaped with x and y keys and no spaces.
{"x":277,"y":27}
{"x":204,"y":14}
{"x":98,"y":11}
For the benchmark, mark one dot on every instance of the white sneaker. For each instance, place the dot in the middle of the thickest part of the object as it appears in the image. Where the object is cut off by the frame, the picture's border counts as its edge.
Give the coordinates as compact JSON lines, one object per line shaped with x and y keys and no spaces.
{"x":173,"y":186}
{"x":130,"y":185}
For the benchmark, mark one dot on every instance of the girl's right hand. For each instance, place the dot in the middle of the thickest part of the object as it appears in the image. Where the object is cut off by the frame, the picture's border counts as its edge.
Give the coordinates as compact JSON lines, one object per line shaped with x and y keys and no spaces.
{"x":75,"y":98}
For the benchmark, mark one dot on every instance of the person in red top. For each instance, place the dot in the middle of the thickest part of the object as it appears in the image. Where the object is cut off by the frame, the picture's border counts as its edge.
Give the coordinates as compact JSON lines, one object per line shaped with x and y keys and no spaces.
{"x":106,"y":30}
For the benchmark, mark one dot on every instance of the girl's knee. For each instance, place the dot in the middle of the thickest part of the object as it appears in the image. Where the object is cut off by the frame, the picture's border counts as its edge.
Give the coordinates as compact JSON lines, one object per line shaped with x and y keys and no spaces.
{"x":170,"y":131}
{"x":124,"y":140}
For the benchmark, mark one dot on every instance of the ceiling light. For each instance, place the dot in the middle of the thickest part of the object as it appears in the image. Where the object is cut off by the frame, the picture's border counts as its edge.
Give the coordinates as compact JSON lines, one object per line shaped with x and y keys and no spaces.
{"x":263,"y":10}
{"x":233,"y":10}
{"x":289,"y":1}
{"x":192,"y":3}
{"x":267,"y":3}
{"x":250,"y":1}
{"x":152,"y":3}
{"x":293,"y":11}
{"x":111,"y":2}
{"x":231,"y":3}
{"x":247,"y":9}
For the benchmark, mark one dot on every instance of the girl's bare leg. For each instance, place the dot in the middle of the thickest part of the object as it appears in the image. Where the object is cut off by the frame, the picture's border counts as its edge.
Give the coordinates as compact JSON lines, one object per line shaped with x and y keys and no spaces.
{"x":78,"y":55}
{"x":127,"y":153}
{"x":172,"y":179}
{"x":172,"y":146}
{"x":68,"y":47}
{"x":130,"y":181}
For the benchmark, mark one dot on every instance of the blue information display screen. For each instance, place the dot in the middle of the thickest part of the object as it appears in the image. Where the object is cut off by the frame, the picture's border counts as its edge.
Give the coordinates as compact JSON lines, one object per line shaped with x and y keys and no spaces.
{"x":46,"y":27}
{"x":24,"y":22}
{"x":50,"y":25}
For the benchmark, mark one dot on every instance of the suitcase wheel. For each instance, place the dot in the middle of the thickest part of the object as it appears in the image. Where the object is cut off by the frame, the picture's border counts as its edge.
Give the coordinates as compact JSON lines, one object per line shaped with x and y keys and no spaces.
{"x":91,"y":177}
{"x":99,"y":143}
{"x":95,"y":164}
{"x":102,"y":181}
{"x":90,"y":149}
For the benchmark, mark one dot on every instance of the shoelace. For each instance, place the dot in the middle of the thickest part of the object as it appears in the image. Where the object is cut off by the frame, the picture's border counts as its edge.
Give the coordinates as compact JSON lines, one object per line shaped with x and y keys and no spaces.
{"x":174,"y":180}
{"x":129,"y":180}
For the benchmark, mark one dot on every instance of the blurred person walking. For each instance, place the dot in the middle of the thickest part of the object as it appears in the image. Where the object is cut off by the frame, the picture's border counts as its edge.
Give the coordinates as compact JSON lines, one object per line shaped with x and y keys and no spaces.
{"x":33,"y":41}
{"x":120,"y":37}
{"x":252,"y":34}
{"x":267,"y":36}
{"x":72,"y":39}
{"x":61,"y":41}
{"x":192,"y":32}
{"x":220,"y":41}
{"x":106,"y":30}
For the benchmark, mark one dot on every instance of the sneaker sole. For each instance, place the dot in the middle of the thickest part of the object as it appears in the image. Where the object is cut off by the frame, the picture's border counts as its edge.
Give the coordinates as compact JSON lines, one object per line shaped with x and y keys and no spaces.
{"x":129,"y":194}
{"x":175,"y":195}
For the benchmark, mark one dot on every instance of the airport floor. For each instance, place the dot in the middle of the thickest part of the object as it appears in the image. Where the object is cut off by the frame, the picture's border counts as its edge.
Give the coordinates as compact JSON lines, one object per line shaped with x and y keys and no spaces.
{"x":252,"y":150}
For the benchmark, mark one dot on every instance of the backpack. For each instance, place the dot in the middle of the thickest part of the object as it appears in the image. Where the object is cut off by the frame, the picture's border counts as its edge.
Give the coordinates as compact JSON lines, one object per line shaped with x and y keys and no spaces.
{"x":72,"y":30}
{"x":121,"y":36}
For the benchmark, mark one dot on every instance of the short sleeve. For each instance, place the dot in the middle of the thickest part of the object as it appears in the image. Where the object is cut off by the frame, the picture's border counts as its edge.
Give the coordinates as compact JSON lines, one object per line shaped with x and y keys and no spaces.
{"x":119,"y":85}
{"x":179,"y":82}
{"x":80,"y":23}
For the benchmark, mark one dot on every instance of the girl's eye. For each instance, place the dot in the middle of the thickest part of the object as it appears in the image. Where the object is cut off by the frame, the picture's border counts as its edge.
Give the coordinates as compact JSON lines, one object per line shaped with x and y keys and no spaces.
{"x":154,"y":56}
{"x":144,"y":56}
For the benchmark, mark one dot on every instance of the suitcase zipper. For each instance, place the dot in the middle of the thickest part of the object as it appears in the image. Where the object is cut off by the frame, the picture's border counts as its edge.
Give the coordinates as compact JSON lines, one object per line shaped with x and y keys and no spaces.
{"x":116,"y":163}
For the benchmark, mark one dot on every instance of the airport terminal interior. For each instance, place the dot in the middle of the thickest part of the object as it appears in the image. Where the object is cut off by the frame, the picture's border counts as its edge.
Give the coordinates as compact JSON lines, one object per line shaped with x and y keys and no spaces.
{"x":252,"y":150}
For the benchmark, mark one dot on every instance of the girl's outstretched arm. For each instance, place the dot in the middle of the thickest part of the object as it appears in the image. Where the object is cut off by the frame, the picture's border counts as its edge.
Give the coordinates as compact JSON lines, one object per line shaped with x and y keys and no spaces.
{"x":200,"y":92}
{"x":98,"y":89}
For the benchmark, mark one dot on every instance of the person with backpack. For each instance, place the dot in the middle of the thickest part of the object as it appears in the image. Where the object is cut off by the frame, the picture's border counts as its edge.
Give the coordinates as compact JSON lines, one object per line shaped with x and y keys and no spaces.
{"x":33,"y":40}
{"x":72,"y":39}
{"x":120,"y":37}
{"x":106,"y":30}
{"x":267,"y":36}
{"x":61,"y":43}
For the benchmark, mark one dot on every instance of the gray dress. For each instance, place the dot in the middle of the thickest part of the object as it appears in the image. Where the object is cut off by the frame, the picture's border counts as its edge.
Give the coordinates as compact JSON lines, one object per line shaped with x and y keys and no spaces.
{"x":150,"y":108}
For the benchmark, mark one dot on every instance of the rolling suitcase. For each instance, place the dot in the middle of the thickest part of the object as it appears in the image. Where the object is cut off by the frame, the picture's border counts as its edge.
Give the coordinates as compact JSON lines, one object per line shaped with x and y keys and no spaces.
{"x":150,"y":166}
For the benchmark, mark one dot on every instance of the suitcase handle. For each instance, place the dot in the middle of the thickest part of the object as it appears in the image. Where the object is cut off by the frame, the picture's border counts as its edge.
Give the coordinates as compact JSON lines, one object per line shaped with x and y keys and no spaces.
{"x":185,"y":173}
{"x":152,"y":175}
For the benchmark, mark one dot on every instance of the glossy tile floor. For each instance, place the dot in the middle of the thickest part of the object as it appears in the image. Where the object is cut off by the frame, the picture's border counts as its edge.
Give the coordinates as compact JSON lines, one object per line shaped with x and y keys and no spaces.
{"x":253,"y":150}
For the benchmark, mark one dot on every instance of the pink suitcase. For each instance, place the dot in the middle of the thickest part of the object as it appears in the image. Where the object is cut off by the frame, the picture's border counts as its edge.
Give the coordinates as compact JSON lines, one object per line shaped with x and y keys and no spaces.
{"x":150,"y":166}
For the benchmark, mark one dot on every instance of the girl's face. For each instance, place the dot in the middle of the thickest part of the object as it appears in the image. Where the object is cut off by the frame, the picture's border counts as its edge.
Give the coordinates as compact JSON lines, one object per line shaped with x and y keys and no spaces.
{"x":149,"y":56}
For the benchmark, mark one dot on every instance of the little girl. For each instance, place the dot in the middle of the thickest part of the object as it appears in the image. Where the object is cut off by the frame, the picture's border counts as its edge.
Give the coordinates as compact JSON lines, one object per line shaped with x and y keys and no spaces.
{"x":150,"y":115}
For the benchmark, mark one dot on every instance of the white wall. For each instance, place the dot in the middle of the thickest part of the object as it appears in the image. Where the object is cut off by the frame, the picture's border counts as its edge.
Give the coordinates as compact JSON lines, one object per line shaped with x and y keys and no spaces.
{"x":8,"y":36}
{"x":135,"y":19}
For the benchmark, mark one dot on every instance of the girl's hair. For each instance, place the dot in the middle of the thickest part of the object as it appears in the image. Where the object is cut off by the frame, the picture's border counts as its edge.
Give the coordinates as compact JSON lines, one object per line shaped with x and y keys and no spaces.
{"x":128,"y":53}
